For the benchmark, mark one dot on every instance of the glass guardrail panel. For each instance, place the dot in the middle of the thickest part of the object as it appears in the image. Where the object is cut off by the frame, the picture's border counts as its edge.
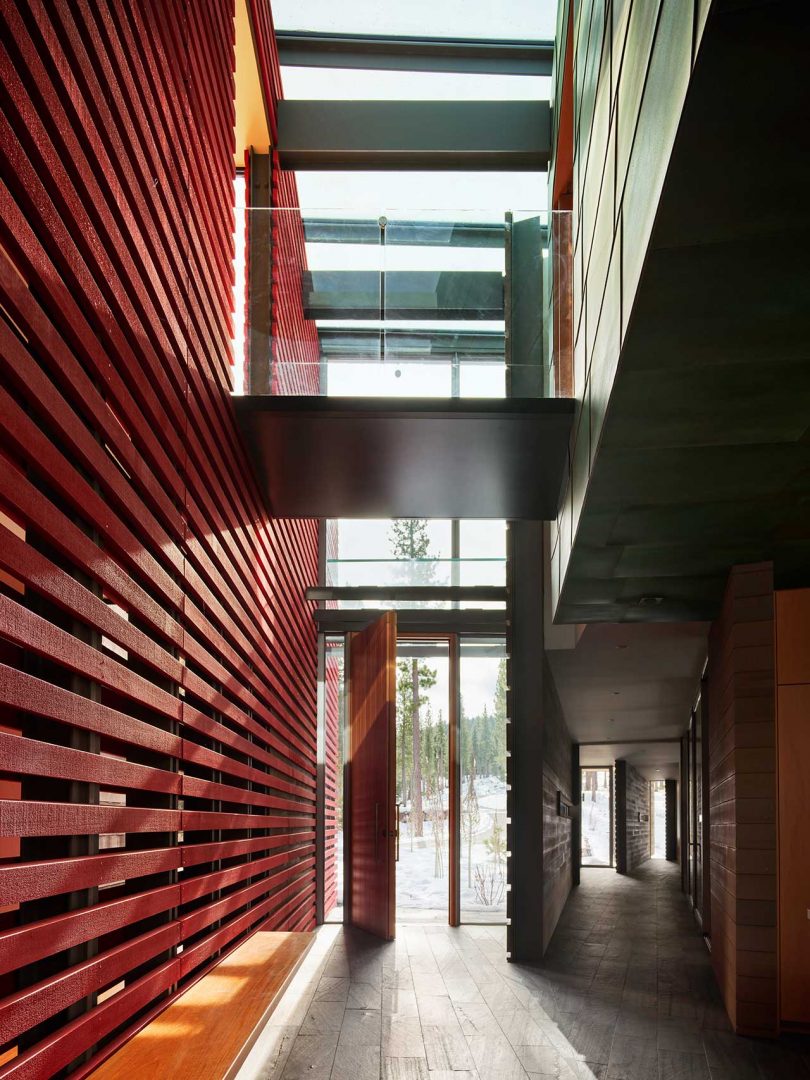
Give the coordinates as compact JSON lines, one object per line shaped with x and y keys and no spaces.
{"x":402,"y":303}
{"x":413,"y":572}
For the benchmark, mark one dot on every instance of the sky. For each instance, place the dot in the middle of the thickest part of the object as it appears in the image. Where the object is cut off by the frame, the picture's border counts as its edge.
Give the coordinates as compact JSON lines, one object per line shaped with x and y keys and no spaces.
{"x":477,"y":678}
{"x":520,"y":19}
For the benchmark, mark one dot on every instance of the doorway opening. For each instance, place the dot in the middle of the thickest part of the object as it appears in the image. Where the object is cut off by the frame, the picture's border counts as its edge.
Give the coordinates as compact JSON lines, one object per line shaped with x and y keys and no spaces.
{"x":425,"y":715}
{"x":658,"y":819}
{"x":597,"y":816}
{"x":449,"y":778}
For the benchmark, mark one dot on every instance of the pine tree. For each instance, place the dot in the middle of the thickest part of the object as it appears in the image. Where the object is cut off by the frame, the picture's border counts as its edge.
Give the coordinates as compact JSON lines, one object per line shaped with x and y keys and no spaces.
{"x":410,"y":540}
{"x":499,"y":725}
{"x":471,"y":815}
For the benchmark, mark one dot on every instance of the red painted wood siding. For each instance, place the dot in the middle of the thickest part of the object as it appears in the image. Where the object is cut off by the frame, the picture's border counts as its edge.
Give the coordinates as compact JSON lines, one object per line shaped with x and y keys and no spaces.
{"x":333,"y":766}
{"x":159,"y":663}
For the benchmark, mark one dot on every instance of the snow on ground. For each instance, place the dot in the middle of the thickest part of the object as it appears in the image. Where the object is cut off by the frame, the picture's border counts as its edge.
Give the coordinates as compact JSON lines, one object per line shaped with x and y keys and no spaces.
{"x":420,"y":888}
{"x":596,"y":829}
{"x":659,"y":825}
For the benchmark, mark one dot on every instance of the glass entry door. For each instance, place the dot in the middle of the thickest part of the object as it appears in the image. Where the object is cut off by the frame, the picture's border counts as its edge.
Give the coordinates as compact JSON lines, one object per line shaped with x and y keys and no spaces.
{"x":425,"y":716}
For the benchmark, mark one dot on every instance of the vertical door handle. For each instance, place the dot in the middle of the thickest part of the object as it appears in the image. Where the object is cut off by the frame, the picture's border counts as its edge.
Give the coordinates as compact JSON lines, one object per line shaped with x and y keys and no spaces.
{"x":376,"y":830}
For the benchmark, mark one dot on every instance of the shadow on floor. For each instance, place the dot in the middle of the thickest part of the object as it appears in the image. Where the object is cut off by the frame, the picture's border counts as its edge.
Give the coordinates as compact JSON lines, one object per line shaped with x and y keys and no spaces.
{"x":626,"y":993}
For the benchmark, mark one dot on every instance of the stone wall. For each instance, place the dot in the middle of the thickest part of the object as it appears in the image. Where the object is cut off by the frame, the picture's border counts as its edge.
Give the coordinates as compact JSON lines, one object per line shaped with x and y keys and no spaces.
{"x":633,"y":808}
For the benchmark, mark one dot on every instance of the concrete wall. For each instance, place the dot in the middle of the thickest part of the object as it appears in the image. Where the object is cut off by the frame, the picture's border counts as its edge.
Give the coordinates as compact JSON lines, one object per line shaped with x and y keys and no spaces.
{"x":558,"y":861}
{"x":742,"y":792}
{"x":633,"y":809}
{"x":632,"y":65}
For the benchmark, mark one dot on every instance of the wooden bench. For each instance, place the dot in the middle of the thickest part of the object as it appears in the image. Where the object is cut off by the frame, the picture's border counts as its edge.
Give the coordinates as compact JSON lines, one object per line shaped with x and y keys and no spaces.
{"x":207,"y":1032}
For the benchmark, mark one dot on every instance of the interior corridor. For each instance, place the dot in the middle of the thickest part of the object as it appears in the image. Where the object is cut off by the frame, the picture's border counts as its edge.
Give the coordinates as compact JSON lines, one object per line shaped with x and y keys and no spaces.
{"x":626,"y":993}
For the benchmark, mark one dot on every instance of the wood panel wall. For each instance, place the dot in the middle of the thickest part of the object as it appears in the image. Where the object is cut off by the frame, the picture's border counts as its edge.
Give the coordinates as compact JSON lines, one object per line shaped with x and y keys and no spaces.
{"x":742,"y":800}
{"x":793,"y":742}
{"x":158,"y":684}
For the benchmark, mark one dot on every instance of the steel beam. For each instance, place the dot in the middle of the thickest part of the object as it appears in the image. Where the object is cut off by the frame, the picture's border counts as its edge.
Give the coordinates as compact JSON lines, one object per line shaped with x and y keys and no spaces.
{"x":472,"y":234}
{"x":403,"y":294}
{"x":484,"y":593}
{"x":301,"y":48}
{"x":351,"y":344}
{"x":433,"y":135}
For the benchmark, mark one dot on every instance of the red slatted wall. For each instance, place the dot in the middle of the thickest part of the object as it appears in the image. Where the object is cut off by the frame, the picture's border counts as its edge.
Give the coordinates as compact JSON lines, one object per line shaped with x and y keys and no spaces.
{"x":157,"y":688}
{"x":333,"y":766}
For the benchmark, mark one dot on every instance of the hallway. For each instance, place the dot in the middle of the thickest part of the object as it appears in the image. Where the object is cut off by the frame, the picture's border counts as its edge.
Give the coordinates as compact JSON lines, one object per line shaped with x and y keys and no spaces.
{"x":626,"y":993}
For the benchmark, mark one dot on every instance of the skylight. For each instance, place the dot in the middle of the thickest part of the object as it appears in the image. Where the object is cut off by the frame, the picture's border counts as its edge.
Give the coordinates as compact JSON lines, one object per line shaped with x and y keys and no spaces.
{"x":486,"y":19}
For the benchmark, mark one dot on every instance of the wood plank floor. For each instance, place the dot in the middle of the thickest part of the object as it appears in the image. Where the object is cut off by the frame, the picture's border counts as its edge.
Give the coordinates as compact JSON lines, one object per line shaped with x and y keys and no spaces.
{"x":207,"y":1032}
{"x":626,"y":993}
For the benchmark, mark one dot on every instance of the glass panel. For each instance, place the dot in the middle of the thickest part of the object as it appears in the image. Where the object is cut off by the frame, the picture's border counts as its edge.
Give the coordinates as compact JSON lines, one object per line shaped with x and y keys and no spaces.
{"x":482,"y":753}
{"x":482,"y":539}
{"x":378,"y":553}
{"x":397,"y":304}
{"x":416,"y":572}
{"x":422,"y":781}
{"x":597,"y":811}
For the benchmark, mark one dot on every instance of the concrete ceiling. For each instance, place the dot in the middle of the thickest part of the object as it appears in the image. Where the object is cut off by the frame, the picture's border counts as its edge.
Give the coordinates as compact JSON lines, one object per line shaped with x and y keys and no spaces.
{"x":630,"y":681}
{"x":704,"y":460}
{"x":655,"y":761}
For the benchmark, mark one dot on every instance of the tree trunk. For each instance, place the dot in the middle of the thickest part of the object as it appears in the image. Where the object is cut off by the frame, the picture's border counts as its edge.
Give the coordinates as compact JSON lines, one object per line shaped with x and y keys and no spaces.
{"x":416,"y":775}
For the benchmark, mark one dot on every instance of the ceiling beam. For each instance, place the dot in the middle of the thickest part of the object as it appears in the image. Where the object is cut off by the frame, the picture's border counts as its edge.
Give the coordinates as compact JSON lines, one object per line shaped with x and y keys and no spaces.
{"x":409,"y":135}
{"x":353,"y":344}
{"x":472,"y":234}
{"x":404,"y":593}
{"x":403,"y":294}
{"x":303,"y":48}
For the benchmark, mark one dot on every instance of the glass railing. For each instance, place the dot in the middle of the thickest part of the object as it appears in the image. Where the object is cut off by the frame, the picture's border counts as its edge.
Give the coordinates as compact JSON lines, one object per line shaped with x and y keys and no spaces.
{"x":415,"y":572}
{"x":467,"y":304}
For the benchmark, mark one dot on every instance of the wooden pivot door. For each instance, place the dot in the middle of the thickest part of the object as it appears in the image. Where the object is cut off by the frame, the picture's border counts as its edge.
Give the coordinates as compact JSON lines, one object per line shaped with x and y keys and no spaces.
{"x":372,"y":745}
